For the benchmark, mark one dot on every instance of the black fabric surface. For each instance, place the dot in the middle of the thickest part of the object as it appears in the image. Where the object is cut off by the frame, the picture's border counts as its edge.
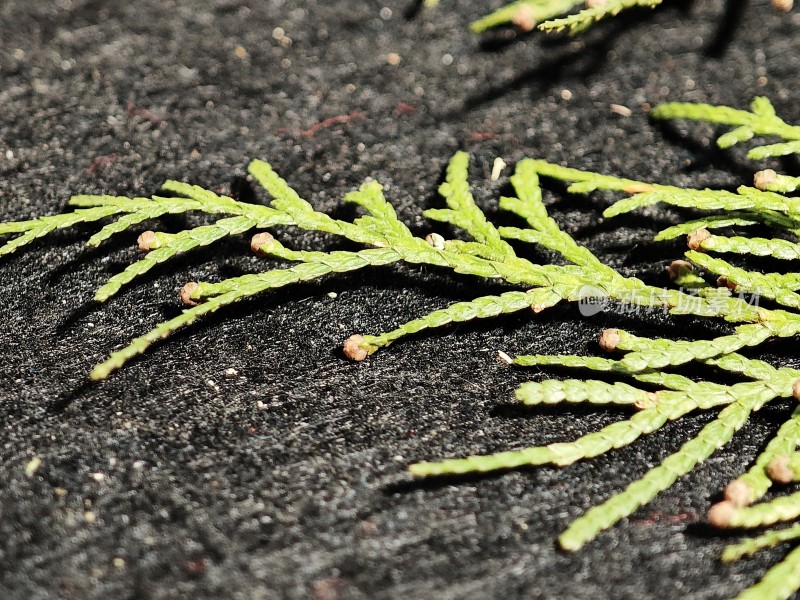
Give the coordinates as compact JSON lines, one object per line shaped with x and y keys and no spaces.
{"x":287,"y":480}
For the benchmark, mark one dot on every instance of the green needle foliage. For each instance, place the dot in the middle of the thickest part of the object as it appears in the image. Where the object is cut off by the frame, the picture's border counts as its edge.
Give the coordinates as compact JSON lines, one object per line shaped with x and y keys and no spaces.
{"x":527,"y":14}
{"x":705,"y":285}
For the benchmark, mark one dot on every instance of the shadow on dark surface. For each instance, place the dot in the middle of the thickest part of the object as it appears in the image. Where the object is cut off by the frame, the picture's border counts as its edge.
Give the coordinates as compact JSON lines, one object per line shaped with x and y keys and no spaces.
{"x":731,"y":21}
{"x":706,"y":155}
{"x":579,"y":60}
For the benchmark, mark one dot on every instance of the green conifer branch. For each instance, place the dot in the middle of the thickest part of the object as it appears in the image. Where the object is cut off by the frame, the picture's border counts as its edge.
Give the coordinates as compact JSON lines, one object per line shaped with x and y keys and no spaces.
{"x":768,"y":540}
{"x":490,"y":254}
{"x":602,"y":9}
{"x":779,"y":583}
{"x":527,"y":14}
{"x":761,"y":120}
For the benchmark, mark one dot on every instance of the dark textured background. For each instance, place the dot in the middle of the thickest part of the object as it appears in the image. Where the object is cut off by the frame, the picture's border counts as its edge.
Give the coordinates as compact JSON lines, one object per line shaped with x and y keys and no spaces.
{"x":288,"y":479}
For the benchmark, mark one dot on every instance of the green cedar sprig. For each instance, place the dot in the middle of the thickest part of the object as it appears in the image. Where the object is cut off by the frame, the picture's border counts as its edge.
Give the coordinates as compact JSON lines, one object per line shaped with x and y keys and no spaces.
{"x":527,"y":14}
{"x":659,"y":396}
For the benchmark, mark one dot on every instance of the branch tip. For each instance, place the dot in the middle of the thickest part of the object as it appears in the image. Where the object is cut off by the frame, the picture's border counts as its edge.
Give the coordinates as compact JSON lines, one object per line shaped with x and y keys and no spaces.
{"x":610,"y":339}
{"x":260,"y":240}
{"x":738,"y":493}
{"x":187,"y":291}
{"x":678,"y":267}
{"x":696,"y":238}
{"x":352,"y":348}
{"x":146,"y":241}
{"x":779,"y":471}
{"x":764,"y":179}
{"x":721,"y":514}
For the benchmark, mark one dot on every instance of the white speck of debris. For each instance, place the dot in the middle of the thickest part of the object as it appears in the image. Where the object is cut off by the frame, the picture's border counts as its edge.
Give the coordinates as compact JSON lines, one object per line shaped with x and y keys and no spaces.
{"x":98,"y":477}
{"x":620,"y":110}
{"x":90,"y":325}
{"x":260,"y":404}
{"x":231,"y":372}
{"x":447,"y":60}
{"x":386,"y":13}
{"x":138,"y":465}
{"x":504,"y":357}
{"x":566,"y":95}
{"x":213,"y":385}
{"x":89,"y":517}
{"x":497,"y":168}
{"x":119,"y":563}
{"x":332,"y":295}
{"x":33,"y":466}
{"x":9,"y":155}
{"x":399,"y":458}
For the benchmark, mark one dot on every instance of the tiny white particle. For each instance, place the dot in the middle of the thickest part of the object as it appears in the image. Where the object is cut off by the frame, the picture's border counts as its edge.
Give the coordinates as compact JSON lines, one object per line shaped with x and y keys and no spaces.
{"x":332,"y":295}
{"x":386,"y":13}
{"x":623,"y":111}
{"x":504,"y":357}
{"x":497,"y":168}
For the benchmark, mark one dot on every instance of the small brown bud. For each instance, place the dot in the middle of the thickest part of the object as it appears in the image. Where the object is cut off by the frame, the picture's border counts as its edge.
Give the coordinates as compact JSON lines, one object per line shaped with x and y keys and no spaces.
{"x":524,"y":17}
{"x":696,"y":238}
{"x":187,"y":291}
{"x":723,"y":281}
{"x":763,"y":179}
{"x":779,"y":471}
{"x":146,"y":241}
{"x":609,"y":339}
{"x":784,"y":5}
{"x":435,"y":240}
{"x":678,"y":267}
{"x":721,"y":514}
{"x":738,"y":493}
{"x":352,"y":348}
{"x":259,"y":240}
{"x":796,"y":390}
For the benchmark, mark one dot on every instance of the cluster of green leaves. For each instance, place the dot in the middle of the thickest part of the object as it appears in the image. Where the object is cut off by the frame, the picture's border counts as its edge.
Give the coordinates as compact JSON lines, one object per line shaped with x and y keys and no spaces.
{"x":657,"y":394}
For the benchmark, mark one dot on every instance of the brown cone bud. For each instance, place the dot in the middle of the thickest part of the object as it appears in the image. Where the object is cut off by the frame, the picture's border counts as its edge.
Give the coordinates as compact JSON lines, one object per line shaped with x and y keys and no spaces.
{"x":696,"y":238}
{"x":796,"y":390}
{"x":524,"y":17}
{"x":146,"y":241}
{"x":738,"y":493}
{"x":187,"y":291}
{"x":721,"y":514}
{"x":678,"y":267}
{"x":784,"y":5}
{"x":259,"y":240}
{"x":609,"y":339}
{"x":353,"y":350}
{"x":763,"y":179}
{"x":779,"y":471}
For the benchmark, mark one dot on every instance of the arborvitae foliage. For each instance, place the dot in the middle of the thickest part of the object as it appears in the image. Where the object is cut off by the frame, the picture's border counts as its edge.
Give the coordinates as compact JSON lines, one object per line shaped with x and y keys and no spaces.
{"x":705,"y":286}
{"x":553,"y":15}
{"x":527,"y":14}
